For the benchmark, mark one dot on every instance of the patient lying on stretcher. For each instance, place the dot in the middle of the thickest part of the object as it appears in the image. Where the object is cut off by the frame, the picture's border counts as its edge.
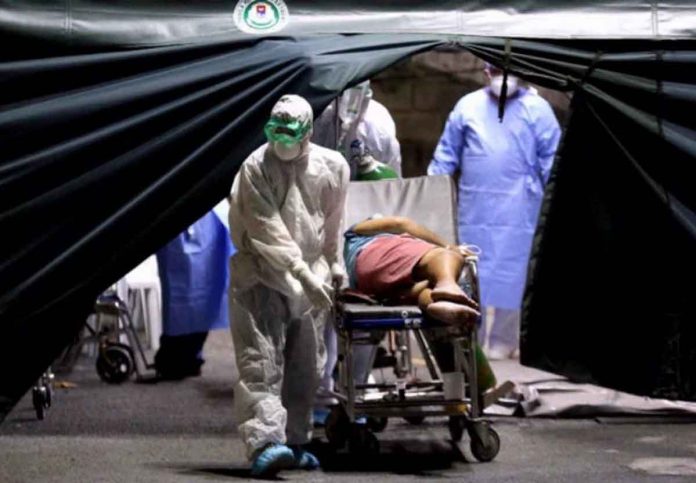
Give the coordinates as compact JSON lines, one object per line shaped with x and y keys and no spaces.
{"x":395,"y":260}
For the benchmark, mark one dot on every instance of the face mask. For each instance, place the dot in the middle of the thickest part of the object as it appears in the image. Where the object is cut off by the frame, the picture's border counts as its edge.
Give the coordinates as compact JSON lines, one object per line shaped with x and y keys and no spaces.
{"x":287,"y":152}
{"x":497,"y":85}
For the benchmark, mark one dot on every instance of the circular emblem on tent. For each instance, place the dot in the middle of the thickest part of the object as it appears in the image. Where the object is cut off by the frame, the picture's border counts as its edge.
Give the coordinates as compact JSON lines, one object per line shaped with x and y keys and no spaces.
{"x":260,"y":16}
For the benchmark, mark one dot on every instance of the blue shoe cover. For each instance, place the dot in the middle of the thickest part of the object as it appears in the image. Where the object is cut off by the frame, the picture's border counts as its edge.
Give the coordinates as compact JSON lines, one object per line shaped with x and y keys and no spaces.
{"x":305,"y":460}
{"x":319,"y":416}
{"x":272,"y":459}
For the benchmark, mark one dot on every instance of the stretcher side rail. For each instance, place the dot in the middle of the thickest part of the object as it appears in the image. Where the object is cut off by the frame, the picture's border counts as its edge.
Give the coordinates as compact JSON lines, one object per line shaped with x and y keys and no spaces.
{"x":361,"y":316}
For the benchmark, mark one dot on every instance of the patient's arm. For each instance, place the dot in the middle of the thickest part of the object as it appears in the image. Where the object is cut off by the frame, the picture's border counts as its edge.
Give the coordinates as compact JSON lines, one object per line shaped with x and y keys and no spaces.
{"x":398,"y":225}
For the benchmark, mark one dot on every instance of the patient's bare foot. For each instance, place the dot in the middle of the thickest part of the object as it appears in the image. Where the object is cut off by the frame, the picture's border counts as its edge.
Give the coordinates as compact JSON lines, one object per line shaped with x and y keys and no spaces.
{"x":452,"y":293}
{"x":452,"y":313}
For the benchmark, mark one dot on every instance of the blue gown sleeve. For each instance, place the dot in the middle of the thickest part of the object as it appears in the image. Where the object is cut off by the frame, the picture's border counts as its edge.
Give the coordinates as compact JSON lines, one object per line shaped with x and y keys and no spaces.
{"x":548,"y":135}
{"x":449,"y":148}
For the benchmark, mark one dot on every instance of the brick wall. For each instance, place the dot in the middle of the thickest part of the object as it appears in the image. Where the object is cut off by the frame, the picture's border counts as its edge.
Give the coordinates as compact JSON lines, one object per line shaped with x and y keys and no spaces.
{"x":420,"y":93}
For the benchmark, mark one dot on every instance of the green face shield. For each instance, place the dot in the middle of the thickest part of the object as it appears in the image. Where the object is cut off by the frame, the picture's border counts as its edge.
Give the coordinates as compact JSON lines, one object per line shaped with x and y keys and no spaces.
{"x":288,"y":133}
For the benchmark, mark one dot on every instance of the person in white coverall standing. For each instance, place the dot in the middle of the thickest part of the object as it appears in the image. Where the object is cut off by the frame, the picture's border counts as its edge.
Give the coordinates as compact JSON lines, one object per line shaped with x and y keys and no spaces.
{"x":357,"y":116}
{"x":285,"y":220}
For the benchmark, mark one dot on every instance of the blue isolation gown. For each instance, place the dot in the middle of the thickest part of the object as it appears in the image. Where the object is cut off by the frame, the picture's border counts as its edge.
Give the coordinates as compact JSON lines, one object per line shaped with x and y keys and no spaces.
{"x":503,"y":170}
{"x":194,"y":273}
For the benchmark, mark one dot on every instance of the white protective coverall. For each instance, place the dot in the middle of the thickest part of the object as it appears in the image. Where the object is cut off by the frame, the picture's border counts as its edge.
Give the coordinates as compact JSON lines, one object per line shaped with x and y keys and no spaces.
{"x":363,"y":118}
{"x":285,"y":220}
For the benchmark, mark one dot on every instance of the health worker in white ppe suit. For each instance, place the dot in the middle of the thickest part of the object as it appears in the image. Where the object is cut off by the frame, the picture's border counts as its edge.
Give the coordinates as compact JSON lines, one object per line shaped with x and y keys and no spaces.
{"x":362,"y":118}
{"x":503,"y":167}
{"x":285,"y":219}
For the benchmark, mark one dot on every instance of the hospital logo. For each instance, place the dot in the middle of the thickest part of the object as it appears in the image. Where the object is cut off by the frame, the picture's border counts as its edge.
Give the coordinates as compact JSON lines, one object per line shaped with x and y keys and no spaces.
{"x":260,"y":16}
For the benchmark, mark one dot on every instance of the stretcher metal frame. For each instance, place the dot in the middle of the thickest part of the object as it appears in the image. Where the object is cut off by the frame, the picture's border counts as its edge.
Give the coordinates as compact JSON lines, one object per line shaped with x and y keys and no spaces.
{"x":365,"y":324}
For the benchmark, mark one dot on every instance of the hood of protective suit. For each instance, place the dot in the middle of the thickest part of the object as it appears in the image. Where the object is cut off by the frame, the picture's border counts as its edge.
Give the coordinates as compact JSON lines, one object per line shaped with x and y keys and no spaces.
{"x":496,"y":86}
{"x":290,"y":127}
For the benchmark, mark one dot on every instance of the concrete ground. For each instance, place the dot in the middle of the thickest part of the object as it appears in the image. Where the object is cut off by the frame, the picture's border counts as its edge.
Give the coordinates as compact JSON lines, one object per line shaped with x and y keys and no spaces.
{"x":184,"y":431}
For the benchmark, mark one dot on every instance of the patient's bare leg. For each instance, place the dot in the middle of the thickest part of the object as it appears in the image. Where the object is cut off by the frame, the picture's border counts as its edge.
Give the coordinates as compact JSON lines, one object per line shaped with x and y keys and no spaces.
{"x":442,"y":268}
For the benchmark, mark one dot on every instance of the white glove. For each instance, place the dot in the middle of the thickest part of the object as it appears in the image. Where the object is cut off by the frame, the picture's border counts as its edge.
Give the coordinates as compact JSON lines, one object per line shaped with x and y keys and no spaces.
{"x":318,"y":292}
{"x":338,"y":274}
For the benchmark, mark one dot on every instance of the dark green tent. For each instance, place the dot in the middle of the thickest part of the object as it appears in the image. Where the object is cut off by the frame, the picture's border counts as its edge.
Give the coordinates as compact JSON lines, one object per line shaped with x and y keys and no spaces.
{"x":121,"y":124}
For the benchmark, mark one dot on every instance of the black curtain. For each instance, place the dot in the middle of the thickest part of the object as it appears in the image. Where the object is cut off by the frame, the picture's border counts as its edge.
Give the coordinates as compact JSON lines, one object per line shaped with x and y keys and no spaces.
{"x":610,"y":292}
{"x":107,"y":154}
{"x":610,"y":288}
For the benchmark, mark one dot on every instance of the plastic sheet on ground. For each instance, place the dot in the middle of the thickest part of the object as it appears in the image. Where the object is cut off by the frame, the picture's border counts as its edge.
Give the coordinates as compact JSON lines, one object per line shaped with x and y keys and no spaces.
{"x":542,"y":394}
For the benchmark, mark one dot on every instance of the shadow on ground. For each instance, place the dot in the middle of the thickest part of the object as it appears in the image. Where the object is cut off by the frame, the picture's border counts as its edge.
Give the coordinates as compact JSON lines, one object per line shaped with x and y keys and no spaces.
{"x":403,"y":457}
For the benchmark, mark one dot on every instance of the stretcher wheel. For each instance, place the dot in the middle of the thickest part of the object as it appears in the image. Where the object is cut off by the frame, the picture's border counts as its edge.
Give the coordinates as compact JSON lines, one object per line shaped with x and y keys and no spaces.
{"x":456,"y":425}
{"x":337,"y":427}
{"x":485,"y":451}
{"x":377,"y":425}
{"x":115,"y":363}
{"x":415,"y":420}
{"x":362,"y":441}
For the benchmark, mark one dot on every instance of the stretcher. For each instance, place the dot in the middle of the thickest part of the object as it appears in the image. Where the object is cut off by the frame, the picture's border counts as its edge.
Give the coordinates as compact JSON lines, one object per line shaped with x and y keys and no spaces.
{"x":429,"y":201}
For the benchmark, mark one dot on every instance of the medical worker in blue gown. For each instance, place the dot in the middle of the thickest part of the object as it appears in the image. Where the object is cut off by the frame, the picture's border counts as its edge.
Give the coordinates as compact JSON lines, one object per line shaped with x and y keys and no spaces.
{"x":194,"y":273}
{"x":503,"y":169}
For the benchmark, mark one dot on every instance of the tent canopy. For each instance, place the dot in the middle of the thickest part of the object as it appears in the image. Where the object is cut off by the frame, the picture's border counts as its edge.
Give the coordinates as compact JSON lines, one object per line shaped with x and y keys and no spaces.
{"x":153,"y":22}
{"x":142,"y":115}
